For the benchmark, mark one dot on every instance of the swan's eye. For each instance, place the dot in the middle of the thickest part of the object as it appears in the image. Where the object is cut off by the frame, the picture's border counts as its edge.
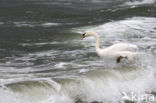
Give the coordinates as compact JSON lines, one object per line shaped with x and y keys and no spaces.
{"x":83,"y":36}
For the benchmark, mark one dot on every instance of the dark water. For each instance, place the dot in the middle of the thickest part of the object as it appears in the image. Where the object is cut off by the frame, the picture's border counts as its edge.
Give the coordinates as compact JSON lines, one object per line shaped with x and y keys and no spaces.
{"x":43,"y":60}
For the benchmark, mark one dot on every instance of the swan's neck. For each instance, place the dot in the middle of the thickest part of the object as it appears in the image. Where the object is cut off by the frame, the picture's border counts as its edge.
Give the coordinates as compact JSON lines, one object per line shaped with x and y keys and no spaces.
{"x":97,"y":45}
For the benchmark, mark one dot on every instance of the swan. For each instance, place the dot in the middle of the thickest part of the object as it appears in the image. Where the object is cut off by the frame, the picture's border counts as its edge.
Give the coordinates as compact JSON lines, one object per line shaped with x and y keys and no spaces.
{"x":115,"y":52}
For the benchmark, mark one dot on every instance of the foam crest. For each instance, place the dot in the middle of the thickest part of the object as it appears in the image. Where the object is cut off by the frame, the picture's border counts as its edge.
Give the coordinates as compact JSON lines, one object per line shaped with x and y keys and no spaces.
{"x":140,"y":2}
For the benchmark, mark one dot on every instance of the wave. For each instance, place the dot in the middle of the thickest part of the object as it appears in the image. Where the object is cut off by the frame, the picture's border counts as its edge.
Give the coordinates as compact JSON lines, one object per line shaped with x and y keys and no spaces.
{"x":99,"y":85}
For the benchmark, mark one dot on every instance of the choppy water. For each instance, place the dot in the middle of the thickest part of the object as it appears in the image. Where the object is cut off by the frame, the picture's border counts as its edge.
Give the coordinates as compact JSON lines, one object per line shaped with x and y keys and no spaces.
{"x":44,"y":60}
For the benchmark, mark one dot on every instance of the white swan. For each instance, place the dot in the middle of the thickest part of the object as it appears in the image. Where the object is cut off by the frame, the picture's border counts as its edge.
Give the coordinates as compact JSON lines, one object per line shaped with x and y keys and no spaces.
{"x":115,"y":52}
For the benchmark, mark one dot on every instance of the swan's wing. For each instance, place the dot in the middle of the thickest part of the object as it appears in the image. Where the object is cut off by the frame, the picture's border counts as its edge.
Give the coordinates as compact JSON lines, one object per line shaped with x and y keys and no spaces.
{"x":122,"y":47}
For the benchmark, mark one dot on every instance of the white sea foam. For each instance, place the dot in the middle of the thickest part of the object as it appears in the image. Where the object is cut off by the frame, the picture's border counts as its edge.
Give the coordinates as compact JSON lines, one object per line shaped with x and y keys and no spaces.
{"x":23,"y":24}
{"x":43,"y":43}
{"x":58,"y":99}
{"x":49,"y":24}
{"x":7,"y":96}
{"x":61,"y":65}
{"x":34,"y":24}
{"x":140,"y":2}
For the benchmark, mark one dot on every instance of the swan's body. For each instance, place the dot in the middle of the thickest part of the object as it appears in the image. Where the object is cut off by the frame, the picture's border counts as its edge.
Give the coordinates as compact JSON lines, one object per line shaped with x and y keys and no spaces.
{"x":114,"y":52}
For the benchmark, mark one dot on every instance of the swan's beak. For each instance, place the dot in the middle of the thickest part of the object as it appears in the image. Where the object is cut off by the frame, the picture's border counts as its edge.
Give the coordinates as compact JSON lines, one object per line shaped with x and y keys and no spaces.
{"x":83,"y":36}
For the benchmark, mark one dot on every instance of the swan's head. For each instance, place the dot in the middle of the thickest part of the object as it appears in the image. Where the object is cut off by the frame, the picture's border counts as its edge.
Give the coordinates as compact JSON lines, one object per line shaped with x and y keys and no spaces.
{"x":87,"y":33}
